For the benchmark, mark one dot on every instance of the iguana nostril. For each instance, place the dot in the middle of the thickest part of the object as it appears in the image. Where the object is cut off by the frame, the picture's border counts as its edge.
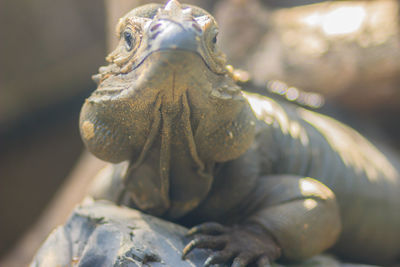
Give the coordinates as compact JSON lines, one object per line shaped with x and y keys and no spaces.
{"x":197,"y":27}
{"x":155,"y":27}
{"x":154,"y":35}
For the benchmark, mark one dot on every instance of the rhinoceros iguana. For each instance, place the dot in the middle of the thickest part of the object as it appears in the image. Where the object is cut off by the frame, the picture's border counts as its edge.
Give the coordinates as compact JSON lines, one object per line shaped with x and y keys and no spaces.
{"x":258,"y":179}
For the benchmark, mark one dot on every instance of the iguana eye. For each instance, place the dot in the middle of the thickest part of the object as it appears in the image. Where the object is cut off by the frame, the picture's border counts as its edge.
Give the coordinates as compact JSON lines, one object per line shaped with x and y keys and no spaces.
{"x":129,"y":40}
{"x":214,"y":40}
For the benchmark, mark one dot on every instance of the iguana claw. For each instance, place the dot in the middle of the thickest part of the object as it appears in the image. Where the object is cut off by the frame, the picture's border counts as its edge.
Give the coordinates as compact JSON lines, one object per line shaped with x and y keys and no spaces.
{"x":239,"y":245}
{"x":207,"y":228}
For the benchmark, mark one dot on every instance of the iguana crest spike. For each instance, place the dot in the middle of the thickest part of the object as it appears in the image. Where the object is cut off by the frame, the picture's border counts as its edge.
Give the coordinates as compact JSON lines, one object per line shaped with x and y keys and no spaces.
{"x":173,"y":9}
{"x":172,"y":5}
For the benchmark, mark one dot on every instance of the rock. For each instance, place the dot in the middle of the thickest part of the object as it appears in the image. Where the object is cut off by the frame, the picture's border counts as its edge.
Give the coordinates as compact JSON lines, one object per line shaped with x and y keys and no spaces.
{"x":103,"y":234}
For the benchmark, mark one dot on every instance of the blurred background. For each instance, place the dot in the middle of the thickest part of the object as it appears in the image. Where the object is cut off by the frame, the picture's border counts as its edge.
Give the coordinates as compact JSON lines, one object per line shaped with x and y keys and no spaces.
{"x":344,"y":52}
{"x":48,"y":52}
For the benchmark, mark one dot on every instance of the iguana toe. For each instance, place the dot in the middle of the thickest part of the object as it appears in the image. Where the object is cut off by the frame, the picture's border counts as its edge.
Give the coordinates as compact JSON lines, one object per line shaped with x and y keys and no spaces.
{"x":207,"y":228}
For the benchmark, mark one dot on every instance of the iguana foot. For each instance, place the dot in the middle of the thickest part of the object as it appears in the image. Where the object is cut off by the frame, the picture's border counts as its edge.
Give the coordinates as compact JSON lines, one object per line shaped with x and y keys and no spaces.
{"x":241,"y":245}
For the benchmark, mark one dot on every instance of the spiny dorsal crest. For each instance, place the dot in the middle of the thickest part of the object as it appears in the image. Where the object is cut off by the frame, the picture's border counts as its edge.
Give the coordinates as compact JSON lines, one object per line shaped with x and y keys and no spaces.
{"x":173,"y":9}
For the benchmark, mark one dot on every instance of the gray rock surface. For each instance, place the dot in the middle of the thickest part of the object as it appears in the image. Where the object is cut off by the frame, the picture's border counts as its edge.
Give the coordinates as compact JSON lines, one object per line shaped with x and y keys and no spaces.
{"x":101,"y":234}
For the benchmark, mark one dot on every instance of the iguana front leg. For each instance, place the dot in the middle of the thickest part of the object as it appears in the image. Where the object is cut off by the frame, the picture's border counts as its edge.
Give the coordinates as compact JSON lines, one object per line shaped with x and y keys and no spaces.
{"x":241,"y":244}
{"x":291,"y":218}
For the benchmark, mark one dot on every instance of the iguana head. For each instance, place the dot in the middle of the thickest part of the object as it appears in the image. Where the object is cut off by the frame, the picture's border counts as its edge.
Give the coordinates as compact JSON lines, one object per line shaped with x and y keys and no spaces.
{"x":166,"y":68}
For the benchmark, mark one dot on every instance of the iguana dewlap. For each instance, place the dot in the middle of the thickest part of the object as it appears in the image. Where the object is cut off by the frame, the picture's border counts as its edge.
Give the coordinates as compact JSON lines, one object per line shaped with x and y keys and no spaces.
{"x":276,"y":181}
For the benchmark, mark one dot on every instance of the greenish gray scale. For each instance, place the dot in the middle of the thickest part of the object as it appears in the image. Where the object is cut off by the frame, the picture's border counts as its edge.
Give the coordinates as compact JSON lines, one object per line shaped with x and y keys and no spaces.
{"x":316,"y":146}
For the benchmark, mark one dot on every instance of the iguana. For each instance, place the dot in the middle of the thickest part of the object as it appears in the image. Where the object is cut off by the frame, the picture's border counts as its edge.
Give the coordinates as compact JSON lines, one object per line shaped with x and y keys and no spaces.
{"x":258,"y":180}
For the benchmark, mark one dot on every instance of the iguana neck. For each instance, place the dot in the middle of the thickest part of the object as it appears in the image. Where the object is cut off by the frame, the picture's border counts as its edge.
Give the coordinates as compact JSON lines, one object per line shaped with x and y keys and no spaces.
{"x":191,"y":139}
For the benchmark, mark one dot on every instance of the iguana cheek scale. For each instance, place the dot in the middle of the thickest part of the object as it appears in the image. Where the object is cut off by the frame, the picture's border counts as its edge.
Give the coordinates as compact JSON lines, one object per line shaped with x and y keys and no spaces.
{"x":199,"y":149}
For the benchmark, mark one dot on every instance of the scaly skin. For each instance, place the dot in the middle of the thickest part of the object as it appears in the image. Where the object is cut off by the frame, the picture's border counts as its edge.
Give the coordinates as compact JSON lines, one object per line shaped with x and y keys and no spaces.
{"x":200,"y":151}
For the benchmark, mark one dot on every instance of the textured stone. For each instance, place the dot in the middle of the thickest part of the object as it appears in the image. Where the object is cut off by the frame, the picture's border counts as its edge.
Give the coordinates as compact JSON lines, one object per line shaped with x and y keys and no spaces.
{"x":103,"y":234}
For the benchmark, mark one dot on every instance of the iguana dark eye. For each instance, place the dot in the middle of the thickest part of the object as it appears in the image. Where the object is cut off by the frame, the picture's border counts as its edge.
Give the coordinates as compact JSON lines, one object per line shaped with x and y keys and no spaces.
{"x":129,"y":40}
{"x":214,"y":40}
